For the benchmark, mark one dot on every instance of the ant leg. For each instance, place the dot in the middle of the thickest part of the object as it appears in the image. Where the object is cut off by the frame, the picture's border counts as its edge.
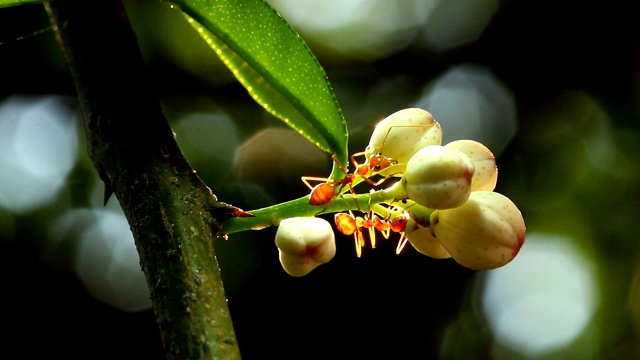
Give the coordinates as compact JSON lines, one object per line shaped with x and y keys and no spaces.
{"x":397,"y":127}
{"x":335,"y":160}
{"x":355,"y":197}
{"x":359,"y":241}
{"x":380,"y":223}
{"x":360,"y":169}
{"x":306,"y":179}
{"x":370,"y":224}
{"x":401,"y":243}
{"x":379,"y":182}
{"x":358,"y":154}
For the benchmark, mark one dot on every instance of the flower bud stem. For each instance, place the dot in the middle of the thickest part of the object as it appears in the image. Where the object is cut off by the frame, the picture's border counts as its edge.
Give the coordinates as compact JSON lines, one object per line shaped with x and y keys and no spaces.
{"x":273,"y":215}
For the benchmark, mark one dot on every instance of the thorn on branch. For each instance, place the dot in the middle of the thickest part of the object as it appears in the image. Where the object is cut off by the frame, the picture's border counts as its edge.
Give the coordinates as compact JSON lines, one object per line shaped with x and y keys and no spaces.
{"x":221,"y":211}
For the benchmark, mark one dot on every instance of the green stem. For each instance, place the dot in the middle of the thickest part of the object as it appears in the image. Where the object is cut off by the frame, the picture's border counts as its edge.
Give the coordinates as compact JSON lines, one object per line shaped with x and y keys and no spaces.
{"x":273,"y":215}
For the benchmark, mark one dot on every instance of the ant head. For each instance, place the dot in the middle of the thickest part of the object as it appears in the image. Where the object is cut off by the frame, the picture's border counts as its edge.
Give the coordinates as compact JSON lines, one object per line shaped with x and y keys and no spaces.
{"x":380,"y":162}
{"x":399,"y":223}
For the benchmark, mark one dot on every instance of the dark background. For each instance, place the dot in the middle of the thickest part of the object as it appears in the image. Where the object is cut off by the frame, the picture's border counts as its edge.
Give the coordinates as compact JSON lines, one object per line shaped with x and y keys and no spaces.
{"x":380,"y":305}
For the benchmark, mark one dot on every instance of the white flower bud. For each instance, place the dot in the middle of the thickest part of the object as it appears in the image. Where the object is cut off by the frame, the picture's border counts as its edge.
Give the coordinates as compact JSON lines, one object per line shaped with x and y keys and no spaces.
{"x":486,"y":171}
{"x":438,"y":178}
{"x":423,"y":241}
{"x":484,"y":233}
{"x":304,"y":243}
{"x":402,"y":134}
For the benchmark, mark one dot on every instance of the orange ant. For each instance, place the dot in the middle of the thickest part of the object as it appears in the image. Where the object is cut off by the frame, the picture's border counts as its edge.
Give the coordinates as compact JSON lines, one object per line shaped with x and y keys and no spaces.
{"x":376,"y":163}
{"x":325,"y":192}
{"x":399,"y":224}
{"x":348,"y":224}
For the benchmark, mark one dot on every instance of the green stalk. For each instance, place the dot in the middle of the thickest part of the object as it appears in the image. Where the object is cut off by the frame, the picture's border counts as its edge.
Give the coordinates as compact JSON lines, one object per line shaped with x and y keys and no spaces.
{"x":273,"y":215}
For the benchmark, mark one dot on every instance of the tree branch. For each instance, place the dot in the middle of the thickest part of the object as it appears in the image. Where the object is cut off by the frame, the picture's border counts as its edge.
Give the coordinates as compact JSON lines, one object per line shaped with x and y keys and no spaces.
{"x":173,"y":215}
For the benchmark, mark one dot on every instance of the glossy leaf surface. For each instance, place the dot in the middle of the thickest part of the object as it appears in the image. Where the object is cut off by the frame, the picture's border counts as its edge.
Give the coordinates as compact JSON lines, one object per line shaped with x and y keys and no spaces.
{"x":274,"y":64}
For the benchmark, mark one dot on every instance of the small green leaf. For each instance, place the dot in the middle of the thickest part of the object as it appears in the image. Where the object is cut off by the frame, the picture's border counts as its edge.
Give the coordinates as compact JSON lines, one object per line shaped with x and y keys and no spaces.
{"x":274,"y":64}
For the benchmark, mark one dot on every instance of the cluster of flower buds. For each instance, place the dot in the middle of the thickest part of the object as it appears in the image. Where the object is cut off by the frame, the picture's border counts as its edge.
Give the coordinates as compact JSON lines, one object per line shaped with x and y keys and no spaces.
{"x":446,"y":190}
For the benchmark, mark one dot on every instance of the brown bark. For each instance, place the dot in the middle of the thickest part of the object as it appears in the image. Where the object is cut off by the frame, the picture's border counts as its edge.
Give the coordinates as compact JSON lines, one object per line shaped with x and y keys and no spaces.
{"x":173,"y":215}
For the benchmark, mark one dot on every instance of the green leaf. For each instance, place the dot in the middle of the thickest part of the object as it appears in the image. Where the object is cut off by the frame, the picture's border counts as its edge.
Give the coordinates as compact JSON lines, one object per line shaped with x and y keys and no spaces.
{"x":7,"y":3}
{"x":274,"y":64}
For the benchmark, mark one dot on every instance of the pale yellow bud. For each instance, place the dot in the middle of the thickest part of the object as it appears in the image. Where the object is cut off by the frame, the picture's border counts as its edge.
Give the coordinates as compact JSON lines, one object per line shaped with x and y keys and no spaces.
{"x":438,"y":178}
{"x":423,"y":241}
{"x":304,"y":243}
{"x":402,"y":134}
{"x":485,"y":176}
{"x":484,"y":233}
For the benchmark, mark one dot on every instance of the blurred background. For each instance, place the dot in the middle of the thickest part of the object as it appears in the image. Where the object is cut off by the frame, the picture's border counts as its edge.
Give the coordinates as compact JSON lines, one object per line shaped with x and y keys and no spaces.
{"x":552,"y":89}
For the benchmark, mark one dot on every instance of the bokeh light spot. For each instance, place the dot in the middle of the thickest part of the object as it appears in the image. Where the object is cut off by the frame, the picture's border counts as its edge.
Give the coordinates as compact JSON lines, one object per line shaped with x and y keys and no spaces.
{"x":207,"y":135}
{"x":364,"y":29}
{"x":39,"y":147}
{"x":107,"y":262}
{"x":275,"y":158}
{"x":455,"y":23}
{"x":544,"y":298}
{"x":470,"y":102}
